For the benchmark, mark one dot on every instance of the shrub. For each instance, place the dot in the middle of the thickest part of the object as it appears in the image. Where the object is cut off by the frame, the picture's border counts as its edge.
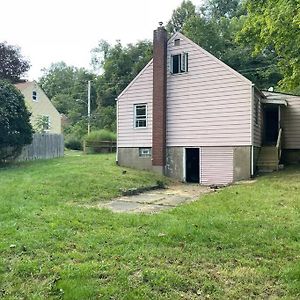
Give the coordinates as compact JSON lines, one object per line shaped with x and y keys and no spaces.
{"x":100,"y":136}
{"x":15,"y":127}
{"x":73,"y":143}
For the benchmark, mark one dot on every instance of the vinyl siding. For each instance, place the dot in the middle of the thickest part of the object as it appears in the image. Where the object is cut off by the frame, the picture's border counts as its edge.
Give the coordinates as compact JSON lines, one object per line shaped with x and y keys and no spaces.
{"x":257,"y":128}
{"x":208,"y":106}
{"x":216,"y":165}
{"x":139,"y":91}
{"x":42,"y":107}
{"x":290,"y":120}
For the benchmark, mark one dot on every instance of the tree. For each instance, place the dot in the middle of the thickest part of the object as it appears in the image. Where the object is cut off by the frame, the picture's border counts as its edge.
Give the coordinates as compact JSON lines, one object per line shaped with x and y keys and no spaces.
{"x":67,"y":86}
{"x":42,"y":124}
{"x":217,"y":9}
{"x":276,"y":24}
{"x":15,"y":128}
{"x":120,"y":64}
{"x":216,"y":28}
{"x":180,"y":15}
{"x":12,"y":64}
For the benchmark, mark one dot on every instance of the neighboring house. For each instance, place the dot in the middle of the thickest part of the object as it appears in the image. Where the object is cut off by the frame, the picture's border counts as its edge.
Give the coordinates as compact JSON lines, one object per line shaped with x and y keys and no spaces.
{"x":40,"y":107}
{"x":190,"y":116}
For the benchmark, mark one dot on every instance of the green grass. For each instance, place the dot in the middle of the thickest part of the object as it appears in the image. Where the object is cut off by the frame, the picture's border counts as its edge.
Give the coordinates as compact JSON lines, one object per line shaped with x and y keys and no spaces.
{"x":238,"y":243}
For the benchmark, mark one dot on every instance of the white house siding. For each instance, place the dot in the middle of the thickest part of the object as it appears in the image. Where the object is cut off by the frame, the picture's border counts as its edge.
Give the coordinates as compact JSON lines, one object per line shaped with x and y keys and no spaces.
{"x":139,"y":91}
{"x":208,"y":106}
{"x":290,"y":120}
{"x":216,"y":165}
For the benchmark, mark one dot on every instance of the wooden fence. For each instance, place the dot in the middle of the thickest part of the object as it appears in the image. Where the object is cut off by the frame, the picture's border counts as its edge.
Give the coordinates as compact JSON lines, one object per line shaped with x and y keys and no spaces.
{"x":43,"y":146}
{"x":99,"y":147}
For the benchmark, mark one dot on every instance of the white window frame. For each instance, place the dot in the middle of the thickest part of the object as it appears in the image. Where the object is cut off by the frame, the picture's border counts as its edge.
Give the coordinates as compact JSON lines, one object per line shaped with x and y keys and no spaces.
{"x":135,"y":116}
{"x":183,"y":63}
{"x":36,"y":96}
{"x":145,"y":152}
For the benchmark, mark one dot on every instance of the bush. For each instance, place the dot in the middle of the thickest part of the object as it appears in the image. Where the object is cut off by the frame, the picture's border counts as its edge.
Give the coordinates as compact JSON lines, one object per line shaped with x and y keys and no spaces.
{"x":101,"y":136}
{"x":15,"y":127}
{"x":73,"y":143}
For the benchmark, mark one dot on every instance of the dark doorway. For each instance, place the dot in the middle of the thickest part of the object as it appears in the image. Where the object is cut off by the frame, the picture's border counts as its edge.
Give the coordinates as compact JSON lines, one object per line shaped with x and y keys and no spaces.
{"x":192,"y":164}
{"x":270,"y":125}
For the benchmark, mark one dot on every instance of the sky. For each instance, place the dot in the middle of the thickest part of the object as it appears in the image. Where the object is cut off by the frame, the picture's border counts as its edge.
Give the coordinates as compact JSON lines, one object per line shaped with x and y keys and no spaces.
{"x":50,"y":31}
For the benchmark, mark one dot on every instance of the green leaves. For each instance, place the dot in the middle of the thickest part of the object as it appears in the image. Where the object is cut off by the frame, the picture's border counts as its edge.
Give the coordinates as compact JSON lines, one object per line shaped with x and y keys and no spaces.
{"x":13,"y":65}
{"x":15,"y":128}
{"x":276,"y":24}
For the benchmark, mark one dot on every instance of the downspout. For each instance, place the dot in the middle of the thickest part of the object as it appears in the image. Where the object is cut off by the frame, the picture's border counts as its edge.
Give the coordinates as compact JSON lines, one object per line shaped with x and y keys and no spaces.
{"x":252,"y":130}
{"x":117,"y":127}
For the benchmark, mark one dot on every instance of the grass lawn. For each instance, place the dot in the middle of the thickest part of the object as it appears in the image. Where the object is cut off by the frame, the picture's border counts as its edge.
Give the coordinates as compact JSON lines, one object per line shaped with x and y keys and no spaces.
{"x":238,"y":243}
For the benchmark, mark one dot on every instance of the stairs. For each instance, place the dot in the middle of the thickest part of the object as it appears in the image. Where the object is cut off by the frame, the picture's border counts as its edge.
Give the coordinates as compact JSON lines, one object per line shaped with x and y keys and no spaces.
{"x":268,"y":160}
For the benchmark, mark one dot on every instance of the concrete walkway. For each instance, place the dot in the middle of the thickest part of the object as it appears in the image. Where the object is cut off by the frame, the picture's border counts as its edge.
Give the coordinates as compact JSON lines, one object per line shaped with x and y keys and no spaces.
{"x":157,"y":200}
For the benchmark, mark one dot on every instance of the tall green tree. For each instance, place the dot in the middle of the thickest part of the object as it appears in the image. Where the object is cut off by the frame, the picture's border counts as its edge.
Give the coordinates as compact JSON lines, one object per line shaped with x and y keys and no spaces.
{"x":12,"y":64}
{"x":120,"y":64}
{"x":216,"y":28}
{"x":276,"y":24}
{"x":180,"y":15}
{"x":217,"y":9}
{"x":67,"y":87}
{"x":15,"y":128}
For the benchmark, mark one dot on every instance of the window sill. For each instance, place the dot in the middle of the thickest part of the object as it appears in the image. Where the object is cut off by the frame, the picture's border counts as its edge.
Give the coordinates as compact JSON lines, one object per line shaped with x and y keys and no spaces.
{"x":179,"y":74}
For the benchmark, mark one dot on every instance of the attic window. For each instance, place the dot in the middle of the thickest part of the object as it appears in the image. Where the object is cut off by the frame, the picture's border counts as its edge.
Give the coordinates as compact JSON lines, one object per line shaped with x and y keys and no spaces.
{"x":177,"y":42}
{"x":34,"y":96}
{"x":179,"y":63}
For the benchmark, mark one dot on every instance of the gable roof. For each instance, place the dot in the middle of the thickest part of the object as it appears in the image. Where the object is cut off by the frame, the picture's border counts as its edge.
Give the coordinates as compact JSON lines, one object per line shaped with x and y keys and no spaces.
{"x":180,"y":35}
{"x":135,"y":78}
{"x":237,"y":74}
{"x":23,"y":85}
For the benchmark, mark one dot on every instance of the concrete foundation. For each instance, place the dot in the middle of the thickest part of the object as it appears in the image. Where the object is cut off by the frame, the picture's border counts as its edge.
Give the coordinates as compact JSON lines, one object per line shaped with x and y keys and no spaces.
{"x":129,"y":157}
{"x":159,"y":170}
{"x":290,"y":156}
{"x":241,"y":163}
{"x":174,"y":167}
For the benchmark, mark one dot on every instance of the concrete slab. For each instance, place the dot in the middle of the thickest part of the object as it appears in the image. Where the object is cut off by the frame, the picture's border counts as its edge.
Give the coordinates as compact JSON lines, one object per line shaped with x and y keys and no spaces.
{"x":126,"y":206}
{"x":158,"y":200}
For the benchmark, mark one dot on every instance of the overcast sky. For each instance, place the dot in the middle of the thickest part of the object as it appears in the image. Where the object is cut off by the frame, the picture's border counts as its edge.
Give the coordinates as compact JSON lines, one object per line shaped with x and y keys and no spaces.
{"x":66,"y":30}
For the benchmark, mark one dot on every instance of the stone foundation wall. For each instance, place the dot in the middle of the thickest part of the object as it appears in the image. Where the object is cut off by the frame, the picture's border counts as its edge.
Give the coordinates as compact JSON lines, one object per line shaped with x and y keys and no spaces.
{"x":174,"y":162}
{"x":129,"y":157}
{"x":241,"y":163}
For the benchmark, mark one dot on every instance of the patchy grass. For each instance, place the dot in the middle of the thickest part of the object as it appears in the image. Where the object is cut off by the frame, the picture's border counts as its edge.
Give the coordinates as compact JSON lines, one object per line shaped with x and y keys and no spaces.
{"x":241,"y":242}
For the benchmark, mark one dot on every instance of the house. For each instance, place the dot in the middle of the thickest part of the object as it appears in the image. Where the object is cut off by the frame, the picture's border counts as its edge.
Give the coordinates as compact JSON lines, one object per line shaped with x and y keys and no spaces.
{"x":40,"y":107}
{"x":191,"y":117}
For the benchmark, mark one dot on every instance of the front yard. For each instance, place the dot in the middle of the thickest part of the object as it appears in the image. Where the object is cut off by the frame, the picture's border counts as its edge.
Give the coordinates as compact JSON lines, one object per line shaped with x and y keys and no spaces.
{"x":241,"y":242}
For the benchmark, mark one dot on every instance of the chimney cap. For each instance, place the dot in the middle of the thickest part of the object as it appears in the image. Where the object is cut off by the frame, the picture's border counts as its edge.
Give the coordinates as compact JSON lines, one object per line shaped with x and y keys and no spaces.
{"x":160,"y":23}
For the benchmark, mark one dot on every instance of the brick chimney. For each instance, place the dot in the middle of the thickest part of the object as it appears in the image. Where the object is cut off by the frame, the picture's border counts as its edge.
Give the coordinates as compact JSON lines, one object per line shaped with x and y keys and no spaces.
{"x":160,"y":39}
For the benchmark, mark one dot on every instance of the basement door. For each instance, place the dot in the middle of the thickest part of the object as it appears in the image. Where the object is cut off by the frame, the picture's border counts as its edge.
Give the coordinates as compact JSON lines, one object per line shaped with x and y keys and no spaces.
{"x":192,"y":165}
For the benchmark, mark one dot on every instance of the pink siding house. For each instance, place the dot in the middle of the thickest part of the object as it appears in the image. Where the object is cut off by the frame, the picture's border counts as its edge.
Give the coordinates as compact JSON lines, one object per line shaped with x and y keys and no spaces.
{"x":190,"y":116}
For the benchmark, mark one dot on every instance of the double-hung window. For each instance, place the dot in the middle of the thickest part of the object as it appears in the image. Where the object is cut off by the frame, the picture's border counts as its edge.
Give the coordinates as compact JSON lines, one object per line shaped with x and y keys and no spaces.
{"x":179,"y":63}
{"x":140,"y":115}
{"x":34,"y":96}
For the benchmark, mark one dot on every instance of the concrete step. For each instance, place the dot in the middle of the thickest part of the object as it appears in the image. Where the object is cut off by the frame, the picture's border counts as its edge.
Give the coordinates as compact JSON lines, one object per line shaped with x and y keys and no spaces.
{"x":268,"y":159}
